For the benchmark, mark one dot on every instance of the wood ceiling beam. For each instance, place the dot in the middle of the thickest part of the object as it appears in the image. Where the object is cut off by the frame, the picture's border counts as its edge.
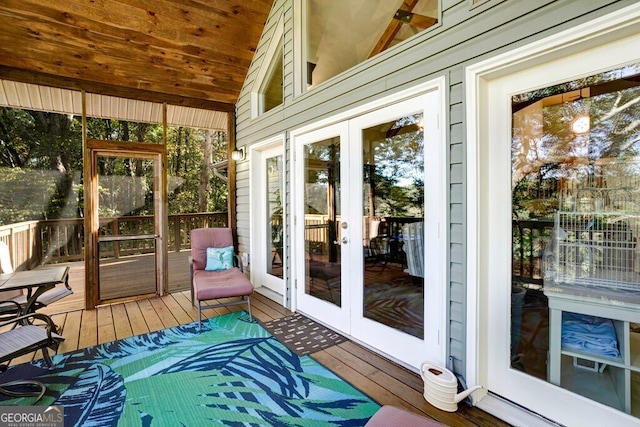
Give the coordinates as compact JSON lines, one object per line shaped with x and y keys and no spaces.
{"x":25,"y":76}
{"x":392,"y":29}
{"x":415,"y":20}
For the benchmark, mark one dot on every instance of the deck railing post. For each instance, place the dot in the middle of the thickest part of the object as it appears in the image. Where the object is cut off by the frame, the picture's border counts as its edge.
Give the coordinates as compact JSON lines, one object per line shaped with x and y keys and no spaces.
{"x":176,"y":233}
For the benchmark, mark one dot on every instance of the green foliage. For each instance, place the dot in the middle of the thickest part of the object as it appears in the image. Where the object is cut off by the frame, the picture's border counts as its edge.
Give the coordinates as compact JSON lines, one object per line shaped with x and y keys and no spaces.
{"x":41,"y":167}
{"x":46,"y":152}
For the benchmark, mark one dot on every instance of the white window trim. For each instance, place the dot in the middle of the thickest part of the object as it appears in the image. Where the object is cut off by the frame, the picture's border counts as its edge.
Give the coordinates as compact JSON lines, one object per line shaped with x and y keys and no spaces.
{"x":266,"y":69}
{"x":300,"y":52}
{"x":615,"y":26}
{"x":255,"y":181}
{"x":414,"y":91}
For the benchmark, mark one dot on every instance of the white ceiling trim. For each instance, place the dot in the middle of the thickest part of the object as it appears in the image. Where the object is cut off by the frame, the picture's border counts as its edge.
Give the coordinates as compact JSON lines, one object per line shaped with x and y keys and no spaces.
{"x":43,"y":98}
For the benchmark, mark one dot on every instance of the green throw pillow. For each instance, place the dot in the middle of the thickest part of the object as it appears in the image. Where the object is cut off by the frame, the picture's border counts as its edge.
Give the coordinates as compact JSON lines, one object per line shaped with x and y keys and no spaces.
{"x":219,"y":258}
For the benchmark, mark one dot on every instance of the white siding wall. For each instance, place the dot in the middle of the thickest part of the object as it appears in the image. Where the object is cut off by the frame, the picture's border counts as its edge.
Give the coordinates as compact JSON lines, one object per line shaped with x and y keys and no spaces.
{"x":467,"y":33}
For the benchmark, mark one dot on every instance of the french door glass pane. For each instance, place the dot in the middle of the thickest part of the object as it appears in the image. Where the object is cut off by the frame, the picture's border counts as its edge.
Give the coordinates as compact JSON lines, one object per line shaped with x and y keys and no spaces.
{"x":323,"y":274}
{"x":274,"y":220}
{"x":575,"y":299}
{"x":393,"y":224}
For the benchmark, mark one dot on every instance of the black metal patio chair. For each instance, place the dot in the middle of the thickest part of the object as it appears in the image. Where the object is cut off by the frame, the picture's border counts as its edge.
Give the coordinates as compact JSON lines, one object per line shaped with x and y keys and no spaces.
{"x":21,"y":336}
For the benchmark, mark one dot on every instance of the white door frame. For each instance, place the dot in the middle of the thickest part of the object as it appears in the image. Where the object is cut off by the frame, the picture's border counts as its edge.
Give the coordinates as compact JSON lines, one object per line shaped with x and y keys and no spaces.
{"x":270,"y":285}
{"x":436,"y":161}
{"x":613,"y":39}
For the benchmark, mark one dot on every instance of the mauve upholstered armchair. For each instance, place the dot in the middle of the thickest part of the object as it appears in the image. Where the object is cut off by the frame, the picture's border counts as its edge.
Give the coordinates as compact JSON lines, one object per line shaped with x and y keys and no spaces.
{"x":216,"y":271}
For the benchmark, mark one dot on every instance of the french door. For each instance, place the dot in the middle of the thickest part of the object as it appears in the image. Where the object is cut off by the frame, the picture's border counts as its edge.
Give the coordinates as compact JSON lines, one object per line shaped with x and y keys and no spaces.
{"x":364,"y":235}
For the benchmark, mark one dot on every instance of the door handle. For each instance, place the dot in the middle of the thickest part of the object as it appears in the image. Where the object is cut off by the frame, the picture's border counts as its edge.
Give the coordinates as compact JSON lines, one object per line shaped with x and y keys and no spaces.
{"x":344,"y":241}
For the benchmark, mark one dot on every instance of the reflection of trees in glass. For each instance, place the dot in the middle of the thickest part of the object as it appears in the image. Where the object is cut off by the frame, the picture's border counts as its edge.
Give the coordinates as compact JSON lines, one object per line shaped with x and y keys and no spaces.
{"x":626,"y":72}
{"x":549,"y":160}
{"x":398,"y":157}
{"x":322,"y":166}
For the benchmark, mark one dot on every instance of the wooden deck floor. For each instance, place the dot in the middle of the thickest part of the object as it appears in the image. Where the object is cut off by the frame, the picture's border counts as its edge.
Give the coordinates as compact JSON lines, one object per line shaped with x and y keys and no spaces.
{"x":382,"y":380}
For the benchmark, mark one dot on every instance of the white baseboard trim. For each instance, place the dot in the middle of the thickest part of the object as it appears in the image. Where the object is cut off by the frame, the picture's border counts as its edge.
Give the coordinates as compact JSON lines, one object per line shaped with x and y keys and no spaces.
{"x":272,"y":295}
{"x":512,"y":413}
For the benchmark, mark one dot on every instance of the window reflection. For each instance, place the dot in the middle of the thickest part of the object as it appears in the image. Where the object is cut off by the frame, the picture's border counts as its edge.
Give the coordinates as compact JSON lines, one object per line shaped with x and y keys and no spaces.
{"x":575,"y":161}
{"x":393,"y":224}
{"x":275,"y":222}
{"x":322,"y":221}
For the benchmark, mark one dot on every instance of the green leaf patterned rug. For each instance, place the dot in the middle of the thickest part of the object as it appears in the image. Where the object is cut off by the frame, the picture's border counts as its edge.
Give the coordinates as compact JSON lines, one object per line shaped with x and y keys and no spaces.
{"x":233,"y":373}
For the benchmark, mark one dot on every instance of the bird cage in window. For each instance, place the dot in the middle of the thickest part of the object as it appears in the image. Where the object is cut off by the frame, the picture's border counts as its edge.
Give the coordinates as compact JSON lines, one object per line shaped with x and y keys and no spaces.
{"x":594,"y":242}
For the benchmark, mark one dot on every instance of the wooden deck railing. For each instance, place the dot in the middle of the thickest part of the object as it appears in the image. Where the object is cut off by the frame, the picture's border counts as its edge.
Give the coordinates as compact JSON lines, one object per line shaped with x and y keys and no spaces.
{"x":36,"y":242}
{"x":530,"y":238}
{"x":24,"y":245}
{"x":62,"y":240}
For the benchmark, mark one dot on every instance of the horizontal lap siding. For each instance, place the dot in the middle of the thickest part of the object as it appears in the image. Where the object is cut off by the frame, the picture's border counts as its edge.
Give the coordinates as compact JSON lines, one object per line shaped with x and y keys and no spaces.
{"x":243,"y":115}
{"x":457,"y":297}
{"x":466,"y":34}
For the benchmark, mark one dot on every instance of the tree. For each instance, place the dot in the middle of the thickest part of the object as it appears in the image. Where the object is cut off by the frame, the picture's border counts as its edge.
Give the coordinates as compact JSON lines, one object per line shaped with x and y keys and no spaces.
{"x":43,"y":151}
{"x":42,"y":164}
{"x":549,"y":159}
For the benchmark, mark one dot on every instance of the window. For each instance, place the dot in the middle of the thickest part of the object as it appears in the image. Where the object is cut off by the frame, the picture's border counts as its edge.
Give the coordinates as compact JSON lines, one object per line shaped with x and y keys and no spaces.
{"x":271,"y":92}
{"x":498,"y":90}
{"x":343,"y":33}
{"x":575,"y":170}
{"x":268,"y":86}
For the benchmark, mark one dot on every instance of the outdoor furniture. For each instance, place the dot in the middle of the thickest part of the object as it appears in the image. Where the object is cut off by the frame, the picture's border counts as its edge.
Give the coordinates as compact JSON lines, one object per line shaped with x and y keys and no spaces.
{"x":18,"y":286}
{"x":216,"y":270}
{"x":413,"y":246}
{"x":24,"y":337}
{"x":9,"y":310}
{"x":39,"y":285}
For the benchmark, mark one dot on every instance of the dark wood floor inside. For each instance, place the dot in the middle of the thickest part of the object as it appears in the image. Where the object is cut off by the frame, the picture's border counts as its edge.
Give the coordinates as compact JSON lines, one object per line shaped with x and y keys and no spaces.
{"x":384,"y":381}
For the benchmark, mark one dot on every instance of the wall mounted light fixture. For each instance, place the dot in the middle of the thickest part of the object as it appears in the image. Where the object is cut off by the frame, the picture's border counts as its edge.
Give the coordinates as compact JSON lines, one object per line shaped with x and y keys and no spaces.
{"x":238,"y":154}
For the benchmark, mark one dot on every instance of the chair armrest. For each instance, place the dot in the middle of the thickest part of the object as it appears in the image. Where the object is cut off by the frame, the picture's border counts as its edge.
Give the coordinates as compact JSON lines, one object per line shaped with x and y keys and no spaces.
{"x":9,"y":303}
{"x":10,"y":308}
{"x":50,"y":327}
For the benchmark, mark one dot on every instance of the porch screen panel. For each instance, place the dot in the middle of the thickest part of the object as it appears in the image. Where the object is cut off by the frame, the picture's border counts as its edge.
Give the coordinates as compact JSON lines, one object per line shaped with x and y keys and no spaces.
{"x":127,"y":241}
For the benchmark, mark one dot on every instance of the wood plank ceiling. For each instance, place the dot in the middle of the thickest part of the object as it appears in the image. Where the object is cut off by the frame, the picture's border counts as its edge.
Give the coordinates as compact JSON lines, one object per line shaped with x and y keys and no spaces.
{"x":194,"y":53}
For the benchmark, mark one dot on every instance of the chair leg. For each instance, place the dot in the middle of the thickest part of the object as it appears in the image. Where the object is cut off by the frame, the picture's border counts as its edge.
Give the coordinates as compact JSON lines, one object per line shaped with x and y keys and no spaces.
{"x":249,"y":305}
{"x":199,"y":315}
{"x":47,"y":358}
{"x":4,"y":389}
